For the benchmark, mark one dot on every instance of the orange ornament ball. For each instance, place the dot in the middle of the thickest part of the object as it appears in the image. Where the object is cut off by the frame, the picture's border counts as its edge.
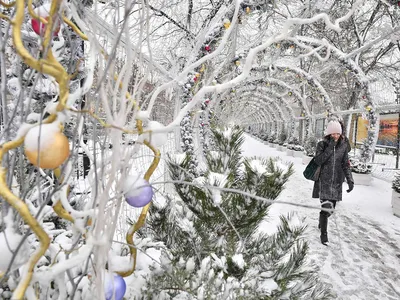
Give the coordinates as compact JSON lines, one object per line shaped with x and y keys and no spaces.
{"x":52,"y":149}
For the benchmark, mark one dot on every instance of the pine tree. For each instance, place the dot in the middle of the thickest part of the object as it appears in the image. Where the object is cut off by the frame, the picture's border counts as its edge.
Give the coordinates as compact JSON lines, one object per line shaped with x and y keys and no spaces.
{"x":310,"y":146}
{"x":396,"y":182}
{"x":213,"y":248}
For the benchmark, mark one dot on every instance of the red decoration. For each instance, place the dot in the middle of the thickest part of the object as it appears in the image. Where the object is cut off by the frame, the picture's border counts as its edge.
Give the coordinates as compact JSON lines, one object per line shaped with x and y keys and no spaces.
{"x":207,"y":48}
{"x":195,"y":78}
{"x":207,"y":101}
{"x":37,"y":26}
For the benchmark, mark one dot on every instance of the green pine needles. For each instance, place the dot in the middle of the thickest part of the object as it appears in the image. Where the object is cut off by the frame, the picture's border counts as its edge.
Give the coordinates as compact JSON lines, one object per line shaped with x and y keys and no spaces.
{"x":396,"y":182}
{"x":214,"y":246}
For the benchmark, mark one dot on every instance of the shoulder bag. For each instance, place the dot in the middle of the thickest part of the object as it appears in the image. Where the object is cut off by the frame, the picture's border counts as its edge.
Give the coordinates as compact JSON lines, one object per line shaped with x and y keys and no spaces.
{"x":312,"y":171}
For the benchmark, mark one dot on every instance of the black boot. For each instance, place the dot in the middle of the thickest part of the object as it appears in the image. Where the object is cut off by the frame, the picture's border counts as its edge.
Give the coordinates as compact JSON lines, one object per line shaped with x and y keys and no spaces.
{"x":323,"y":222}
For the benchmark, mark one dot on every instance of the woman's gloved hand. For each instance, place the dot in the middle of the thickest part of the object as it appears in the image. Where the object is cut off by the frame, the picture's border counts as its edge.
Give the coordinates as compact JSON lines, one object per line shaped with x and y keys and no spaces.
{"x":351,"y":187}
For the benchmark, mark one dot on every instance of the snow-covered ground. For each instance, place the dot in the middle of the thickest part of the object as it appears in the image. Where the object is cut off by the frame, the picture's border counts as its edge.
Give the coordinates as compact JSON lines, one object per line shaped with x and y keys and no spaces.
{"x":363,"y":258}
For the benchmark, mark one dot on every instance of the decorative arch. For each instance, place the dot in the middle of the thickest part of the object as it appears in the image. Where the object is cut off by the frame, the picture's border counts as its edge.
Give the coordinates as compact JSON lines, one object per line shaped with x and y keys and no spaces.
{"x":266,"y":125}
{"x":279,"y":117}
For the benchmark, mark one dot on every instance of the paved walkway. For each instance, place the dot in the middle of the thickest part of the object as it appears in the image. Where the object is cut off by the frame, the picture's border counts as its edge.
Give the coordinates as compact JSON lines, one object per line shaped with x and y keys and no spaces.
{"x":363,"y":259}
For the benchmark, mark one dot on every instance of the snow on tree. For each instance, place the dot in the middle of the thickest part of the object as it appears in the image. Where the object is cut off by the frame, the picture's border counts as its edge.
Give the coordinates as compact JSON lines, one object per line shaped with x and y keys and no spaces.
{"x":396,"y":183}
{"x":210,"y":231}
{"x":137,"y":62}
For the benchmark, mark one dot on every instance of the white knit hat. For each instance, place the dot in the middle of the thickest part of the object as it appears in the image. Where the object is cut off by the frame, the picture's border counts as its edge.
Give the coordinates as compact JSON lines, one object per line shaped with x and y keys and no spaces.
{"x":333,"y":127}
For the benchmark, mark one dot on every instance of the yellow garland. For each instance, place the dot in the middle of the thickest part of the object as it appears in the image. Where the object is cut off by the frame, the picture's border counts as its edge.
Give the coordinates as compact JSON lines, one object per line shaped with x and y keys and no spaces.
{"x":142,"y":218}
{"x":5,"y":18}
{"x":75,"y":28}
{"x":34,"y":225}
{"x":133,"y":229}
{"x":50,"y":66}
{"x":58,"y":207}
{"x":7,"y":5}
{"x":34,"y":15}
{"x":23,"y":210}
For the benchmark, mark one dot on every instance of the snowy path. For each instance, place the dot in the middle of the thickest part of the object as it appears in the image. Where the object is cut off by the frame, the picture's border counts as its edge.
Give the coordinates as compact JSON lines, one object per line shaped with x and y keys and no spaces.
{"x":363,"y":259}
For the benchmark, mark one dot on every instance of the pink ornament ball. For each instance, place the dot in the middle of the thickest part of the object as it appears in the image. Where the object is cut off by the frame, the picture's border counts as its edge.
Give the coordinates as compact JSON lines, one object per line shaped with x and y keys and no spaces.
{"x":138,"y":191}
{"x":114,"y":287}
{"x":37,"y":26}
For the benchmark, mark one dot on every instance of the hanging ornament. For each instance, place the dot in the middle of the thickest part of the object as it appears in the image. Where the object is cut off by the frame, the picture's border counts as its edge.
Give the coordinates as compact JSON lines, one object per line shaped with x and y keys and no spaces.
{"x":248,"y":10}
{"x":197,"y":75}
{"x":227,"y":23}
{"x":278,"y":45}
{"x":195,"y":78}
{"x":52,"y":150}
{"x":44,"y":12}
{"x":290,"y":93}
{"x":203,"y":68}
{"x":368,"y":108}
{"x":138,"y":192}
{"x":207,"y":48}
{"x":207,"y":101}
{"x":237,"y":62}
{"x":114,"y":287}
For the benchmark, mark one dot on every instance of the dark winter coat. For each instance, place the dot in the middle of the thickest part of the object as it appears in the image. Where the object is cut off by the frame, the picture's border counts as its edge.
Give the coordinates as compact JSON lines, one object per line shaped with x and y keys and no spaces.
{"x":334,"y":162}
{"x":346,"y":140}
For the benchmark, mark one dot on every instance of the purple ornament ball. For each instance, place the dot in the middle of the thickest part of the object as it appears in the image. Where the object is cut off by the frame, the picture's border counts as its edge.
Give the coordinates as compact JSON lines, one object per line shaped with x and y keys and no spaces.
{"x":114,"y":287}
{"x":138,"y":191}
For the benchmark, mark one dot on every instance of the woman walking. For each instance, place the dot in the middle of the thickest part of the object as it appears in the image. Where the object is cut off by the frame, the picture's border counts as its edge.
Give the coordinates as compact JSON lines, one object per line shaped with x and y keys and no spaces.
{"x":332,"y":156}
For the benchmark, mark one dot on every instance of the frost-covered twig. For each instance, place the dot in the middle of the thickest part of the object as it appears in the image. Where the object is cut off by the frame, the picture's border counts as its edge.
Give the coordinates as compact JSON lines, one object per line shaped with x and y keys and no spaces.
{"x":270,"y":201}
